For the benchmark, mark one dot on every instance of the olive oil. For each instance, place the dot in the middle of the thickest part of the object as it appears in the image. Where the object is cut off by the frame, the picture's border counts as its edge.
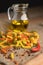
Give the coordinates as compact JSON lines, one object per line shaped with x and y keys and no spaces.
{"x":20,"y":24}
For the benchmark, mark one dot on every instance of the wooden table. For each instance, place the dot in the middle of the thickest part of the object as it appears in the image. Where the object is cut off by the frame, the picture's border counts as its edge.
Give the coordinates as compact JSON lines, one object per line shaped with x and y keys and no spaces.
{"x":36,"y":23}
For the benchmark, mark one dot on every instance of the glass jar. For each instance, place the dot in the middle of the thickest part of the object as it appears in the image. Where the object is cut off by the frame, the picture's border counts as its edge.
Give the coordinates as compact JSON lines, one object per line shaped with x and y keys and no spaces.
{"x":18,"y":15}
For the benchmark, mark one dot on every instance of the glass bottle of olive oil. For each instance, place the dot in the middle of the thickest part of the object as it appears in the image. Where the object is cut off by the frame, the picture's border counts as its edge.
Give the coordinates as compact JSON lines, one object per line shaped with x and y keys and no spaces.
{"x":18,"y":15}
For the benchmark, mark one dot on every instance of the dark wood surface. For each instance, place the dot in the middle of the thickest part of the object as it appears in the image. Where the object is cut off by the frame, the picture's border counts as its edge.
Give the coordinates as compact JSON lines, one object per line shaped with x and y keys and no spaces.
{"x":36,"y":23}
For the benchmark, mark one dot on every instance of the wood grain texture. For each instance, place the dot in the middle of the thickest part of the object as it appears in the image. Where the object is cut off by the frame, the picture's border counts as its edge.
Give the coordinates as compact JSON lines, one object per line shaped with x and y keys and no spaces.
{"x":36,"y":61}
